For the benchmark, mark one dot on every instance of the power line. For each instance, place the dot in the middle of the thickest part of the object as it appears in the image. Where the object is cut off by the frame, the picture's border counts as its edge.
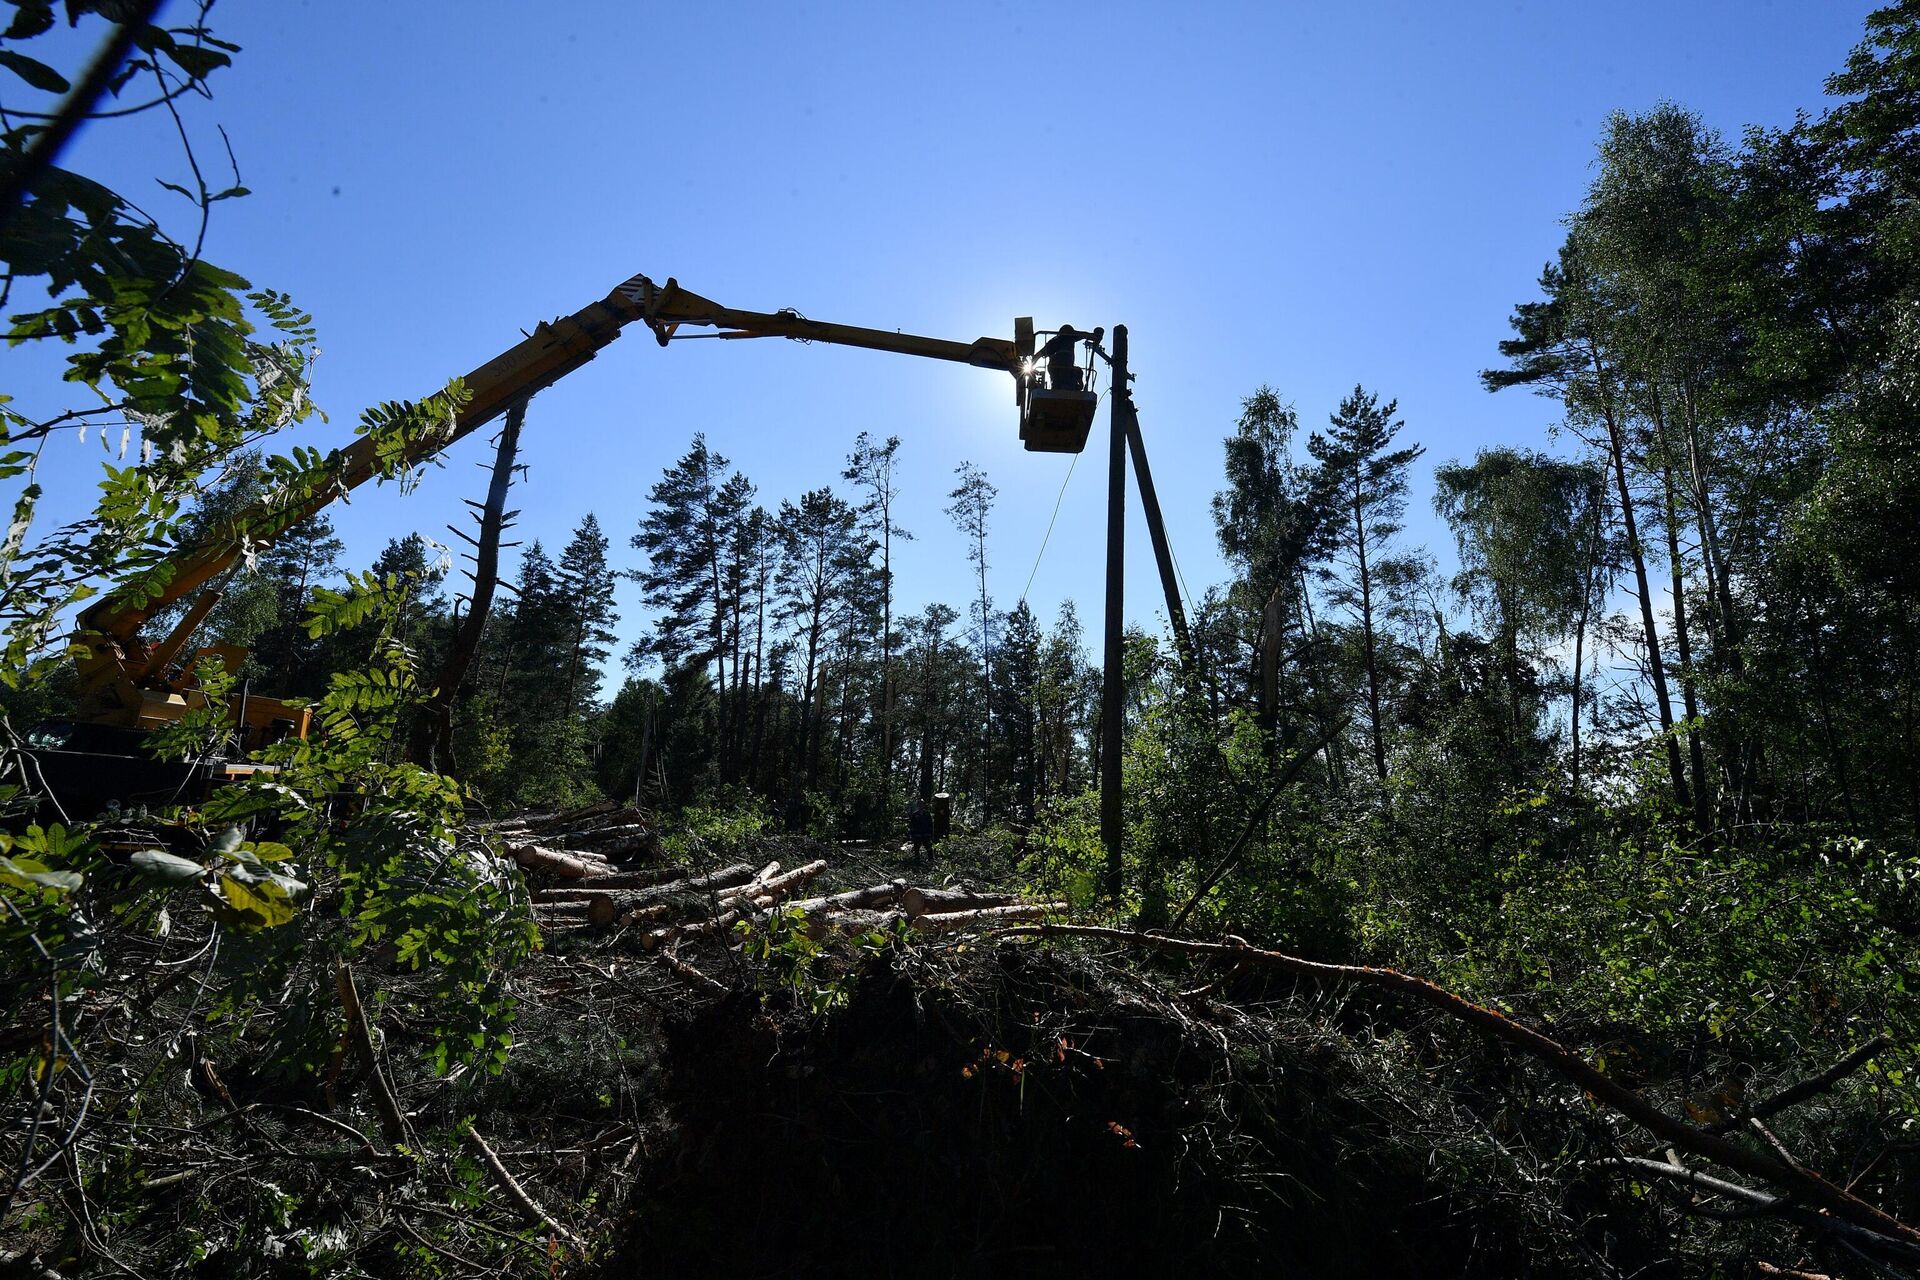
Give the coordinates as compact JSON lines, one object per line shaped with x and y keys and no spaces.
{"x":1041,"y":554}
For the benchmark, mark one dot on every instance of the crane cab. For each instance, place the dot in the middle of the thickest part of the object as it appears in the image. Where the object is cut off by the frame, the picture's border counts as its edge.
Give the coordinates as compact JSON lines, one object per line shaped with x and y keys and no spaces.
{"x":1053,"y":419}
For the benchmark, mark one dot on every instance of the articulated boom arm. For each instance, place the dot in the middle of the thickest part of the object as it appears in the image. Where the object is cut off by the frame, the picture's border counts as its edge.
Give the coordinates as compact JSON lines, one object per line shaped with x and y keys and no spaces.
{"x":551,"y":352}
{"x":123,"y":678}
{"x":667,"y":307}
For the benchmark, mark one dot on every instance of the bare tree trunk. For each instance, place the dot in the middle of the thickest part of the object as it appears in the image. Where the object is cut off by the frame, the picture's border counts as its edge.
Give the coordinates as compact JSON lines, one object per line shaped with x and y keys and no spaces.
{"x":1743,"y":755}
{"x":432,"y":743}
{"x":1366,"y":630}
{"x":886,"y":656}
{"x":1580,"y":638}
{"x":1656,"y":668}
{"x":719,"y":639}
{"x":926,"y":718}
{"x":1702,"y":795}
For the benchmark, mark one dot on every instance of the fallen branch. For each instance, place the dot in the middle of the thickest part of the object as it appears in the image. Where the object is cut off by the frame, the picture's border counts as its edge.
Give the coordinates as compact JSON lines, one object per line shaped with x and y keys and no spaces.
{"x":1809,"y":1087}
{"x":1768,"y":1269}
{"x":1756,"y":1199}
{"x":687,"y":971}
{"x":392,"y":1123}
{"x":1801,"y":1182}
{"x":515,"y":1192}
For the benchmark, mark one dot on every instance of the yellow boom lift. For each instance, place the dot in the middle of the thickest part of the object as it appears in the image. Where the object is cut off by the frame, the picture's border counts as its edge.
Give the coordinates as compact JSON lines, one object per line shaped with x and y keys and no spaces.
{"x":129,"y":684}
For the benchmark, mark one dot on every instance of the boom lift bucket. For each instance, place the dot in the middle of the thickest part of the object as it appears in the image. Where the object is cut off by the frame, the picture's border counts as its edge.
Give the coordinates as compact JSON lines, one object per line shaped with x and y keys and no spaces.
{"x":1051,"y":421}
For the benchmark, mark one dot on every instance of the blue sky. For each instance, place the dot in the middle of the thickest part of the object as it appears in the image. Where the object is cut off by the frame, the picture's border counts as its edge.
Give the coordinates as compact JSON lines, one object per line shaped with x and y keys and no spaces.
{"x":1301,"y":195}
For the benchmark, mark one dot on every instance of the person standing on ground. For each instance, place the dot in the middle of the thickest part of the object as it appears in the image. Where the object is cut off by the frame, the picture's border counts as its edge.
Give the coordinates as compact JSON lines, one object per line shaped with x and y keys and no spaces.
{"x":920,"y":828}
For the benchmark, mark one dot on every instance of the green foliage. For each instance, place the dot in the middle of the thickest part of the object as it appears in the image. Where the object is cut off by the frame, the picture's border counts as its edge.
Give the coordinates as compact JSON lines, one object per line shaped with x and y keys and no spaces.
{"x":1795,"y":943}
{"x":336,"y":849}
{"x":792,"y":961}
{"x":724,"y":824}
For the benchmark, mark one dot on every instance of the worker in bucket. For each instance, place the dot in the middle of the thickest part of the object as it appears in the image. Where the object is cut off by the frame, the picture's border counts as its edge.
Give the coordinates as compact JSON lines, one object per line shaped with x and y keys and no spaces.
{"x":1062,"y":355}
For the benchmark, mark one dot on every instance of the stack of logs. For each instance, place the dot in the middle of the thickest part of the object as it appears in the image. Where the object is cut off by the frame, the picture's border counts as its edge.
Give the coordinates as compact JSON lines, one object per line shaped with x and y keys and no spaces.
{"x":668,"y":905}
{"x":583,"y":842}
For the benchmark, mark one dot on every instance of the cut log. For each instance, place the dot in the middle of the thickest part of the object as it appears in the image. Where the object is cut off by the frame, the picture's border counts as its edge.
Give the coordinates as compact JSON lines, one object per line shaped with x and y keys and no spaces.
{"x":947,"y":922}
{"x":634,"y":886}
{"x":878,"y":895}
{"x":725,"y":878}
{"x":855,"y":920}
{"x":604,"y":906}
{"x":546,"y":824}
{"x":925,"y":902}
{"x":575,"y":816}
{"x":756,"y":898}
{"x":647,"y":877}
{"x":777,"y":885}
{"x":955,"y":921}
{"x":644,"y":845}
{"x":564,"y":863}
{"x":696,"y":929}
{"x":598,"y":837}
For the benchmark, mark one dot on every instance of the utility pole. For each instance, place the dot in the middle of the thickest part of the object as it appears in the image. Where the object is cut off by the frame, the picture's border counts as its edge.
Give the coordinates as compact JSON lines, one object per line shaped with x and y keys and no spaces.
{"x":1113,"y":691}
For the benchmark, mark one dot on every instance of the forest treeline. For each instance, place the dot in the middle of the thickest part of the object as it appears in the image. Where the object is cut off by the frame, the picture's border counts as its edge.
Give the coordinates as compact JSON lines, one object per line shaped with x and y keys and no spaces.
{"x":1698,"y":595}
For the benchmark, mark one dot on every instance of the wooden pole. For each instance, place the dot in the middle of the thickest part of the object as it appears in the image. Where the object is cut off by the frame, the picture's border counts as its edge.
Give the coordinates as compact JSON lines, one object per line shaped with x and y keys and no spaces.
{"x":1157,"y":530}
{"x":1113,"y":692}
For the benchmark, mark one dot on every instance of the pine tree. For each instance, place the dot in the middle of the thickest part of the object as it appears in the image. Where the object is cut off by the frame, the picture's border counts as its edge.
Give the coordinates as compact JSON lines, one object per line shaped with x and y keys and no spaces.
{"x":824,"y":558}
{"x":1016,"y":705}
{"x":1368,"y":478}
{"x":1063,"y":697}
{"x":970,"y":509}
{"x":1564,"y":346}
{"x":871,"y":466}
{"x":585,"y":584}
{"x":697,"y":507}
{"x":1272,"y":521}
{"x":934,"y":706}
